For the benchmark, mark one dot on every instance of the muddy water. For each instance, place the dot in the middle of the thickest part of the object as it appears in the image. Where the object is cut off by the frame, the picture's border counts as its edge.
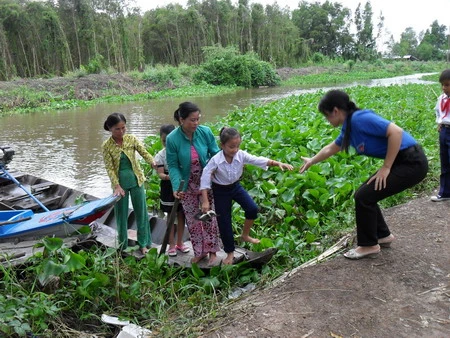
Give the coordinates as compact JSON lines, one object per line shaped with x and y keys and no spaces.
{"x":65,"y":146}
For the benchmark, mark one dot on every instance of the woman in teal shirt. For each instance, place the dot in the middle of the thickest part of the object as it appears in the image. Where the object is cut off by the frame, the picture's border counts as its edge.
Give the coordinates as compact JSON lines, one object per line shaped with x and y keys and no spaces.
{"x":188,"y":148}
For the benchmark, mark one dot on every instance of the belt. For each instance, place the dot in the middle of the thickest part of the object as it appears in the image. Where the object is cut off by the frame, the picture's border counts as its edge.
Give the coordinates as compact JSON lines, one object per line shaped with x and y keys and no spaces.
{"x":445,"y":125}
{"x":213,"y":184}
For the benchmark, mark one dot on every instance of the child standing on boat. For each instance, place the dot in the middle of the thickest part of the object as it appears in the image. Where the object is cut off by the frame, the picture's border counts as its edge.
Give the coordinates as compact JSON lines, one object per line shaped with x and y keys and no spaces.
{"x":127,"y":179}
{"x":166,"y":194}
{"x":222,"y":174}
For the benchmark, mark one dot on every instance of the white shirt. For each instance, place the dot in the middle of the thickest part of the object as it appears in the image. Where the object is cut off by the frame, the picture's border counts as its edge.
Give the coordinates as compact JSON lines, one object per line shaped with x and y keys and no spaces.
{"x":160,"y":159}
{"x":442,"y":117}
{"x":219,"y":171}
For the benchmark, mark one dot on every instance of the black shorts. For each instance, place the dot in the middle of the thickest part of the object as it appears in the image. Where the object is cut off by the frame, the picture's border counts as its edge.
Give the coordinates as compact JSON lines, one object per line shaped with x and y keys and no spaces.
{"x":166,"y":196}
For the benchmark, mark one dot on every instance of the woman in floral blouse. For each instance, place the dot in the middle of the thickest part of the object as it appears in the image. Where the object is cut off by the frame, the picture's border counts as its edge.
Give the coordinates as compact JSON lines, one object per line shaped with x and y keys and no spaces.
{"x":127,"y":178}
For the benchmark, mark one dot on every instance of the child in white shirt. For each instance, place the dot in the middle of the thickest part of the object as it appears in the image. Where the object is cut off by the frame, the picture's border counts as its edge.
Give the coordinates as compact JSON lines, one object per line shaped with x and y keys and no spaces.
{"x":222,"y":174}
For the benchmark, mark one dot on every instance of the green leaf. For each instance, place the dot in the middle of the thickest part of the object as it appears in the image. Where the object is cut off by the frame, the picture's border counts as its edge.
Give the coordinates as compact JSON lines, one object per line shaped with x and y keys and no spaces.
{"x":288,"y":195}
{"x":74,"y":261}
{"x":266,"y":243}
{"x":52,"y":243}
{"x":50,"y":269}
{"x":196,"y":271}
{"x":309,"y":237}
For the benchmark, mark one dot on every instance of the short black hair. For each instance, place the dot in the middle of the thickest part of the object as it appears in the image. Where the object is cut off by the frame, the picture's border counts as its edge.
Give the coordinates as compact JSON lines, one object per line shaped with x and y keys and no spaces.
{"x":166,"y":129}
{"x":445,"y":76}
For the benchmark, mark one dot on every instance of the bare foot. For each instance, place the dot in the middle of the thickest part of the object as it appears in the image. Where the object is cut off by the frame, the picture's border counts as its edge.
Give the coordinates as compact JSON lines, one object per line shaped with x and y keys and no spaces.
{"x":197,"y":259}
{"x":143,"y":251}
{"x":250,"y":239}
{"x":229,"y":259}
{"x":212,"y":258}
{"x":386,"y":241}
{"x":367,"y":250}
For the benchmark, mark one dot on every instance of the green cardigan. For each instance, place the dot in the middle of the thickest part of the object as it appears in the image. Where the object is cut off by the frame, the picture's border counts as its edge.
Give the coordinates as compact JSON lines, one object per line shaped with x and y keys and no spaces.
{"x":178,"y":153}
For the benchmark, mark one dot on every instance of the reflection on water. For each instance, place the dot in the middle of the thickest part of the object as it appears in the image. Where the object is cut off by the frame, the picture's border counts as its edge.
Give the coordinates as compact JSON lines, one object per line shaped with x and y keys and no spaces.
{"x":65,"y":146}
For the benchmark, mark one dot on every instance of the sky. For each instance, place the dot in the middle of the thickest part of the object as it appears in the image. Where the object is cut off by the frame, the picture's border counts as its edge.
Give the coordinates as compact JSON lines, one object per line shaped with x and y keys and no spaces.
{"x":398,"y":14}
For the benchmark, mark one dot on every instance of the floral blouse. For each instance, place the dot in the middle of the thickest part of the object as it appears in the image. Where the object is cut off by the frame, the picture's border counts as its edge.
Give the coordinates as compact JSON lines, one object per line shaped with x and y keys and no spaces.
{"x":111,"y":156}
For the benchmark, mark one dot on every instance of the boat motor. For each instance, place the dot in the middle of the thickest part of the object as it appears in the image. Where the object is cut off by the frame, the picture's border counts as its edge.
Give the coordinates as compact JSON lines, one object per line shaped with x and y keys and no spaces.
{"x":6,"y":155}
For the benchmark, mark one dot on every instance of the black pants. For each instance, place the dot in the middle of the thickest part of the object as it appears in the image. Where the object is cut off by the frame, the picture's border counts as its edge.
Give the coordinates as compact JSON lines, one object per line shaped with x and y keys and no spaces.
{"x":224,"y":195}
{"x":409,"y":168}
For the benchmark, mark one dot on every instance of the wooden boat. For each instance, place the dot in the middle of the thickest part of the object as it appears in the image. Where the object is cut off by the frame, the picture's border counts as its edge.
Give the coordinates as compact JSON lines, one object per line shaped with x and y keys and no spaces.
{"x":34,"y":195}
{"x":23,"y":225}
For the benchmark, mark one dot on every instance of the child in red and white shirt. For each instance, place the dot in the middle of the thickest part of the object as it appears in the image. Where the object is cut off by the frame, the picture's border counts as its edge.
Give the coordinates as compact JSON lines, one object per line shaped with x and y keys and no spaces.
{"x":443,"y":121}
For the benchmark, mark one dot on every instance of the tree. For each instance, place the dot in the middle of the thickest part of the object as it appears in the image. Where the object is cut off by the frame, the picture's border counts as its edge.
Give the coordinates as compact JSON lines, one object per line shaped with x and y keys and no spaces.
{"x":434,"y":43}
{"x":9,"y":14}
{"x":259,"y":23}
{"x":407,"y":44}
{"x":327,"y":26}
{"x":365,"y":42}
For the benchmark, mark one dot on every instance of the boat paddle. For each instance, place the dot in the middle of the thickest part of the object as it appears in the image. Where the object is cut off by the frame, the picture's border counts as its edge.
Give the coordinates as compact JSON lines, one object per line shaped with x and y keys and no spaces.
{"x":171,"y":221}
{"x":29,"y":193}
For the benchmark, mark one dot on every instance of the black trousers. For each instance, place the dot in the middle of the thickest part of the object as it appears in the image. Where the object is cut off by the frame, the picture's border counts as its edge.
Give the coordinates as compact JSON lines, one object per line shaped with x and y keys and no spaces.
{"x":409,"y":168}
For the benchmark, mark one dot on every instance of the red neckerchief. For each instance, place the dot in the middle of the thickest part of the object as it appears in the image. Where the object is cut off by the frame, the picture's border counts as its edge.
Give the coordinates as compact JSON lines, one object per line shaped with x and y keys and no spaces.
{"x":445,"y":106}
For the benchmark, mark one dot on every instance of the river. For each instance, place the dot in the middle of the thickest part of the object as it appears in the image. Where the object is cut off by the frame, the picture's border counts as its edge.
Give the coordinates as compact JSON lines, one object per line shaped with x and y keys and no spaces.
{"x":65,"y":146}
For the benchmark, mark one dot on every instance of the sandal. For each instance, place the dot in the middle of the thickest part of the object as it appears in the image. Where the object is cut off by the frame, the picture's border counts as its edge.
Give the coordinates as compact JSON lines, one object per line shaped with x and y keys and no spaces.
{"x":353,"y":254}
{"x":172,"y":252}
{"x":183,"y":248}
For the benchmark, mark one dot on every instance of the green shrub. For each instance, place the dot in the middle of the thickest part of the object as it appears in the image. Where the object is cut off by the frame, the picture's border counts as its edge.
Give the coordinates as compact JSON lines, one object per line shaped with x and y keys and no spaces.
{"x":77,"y":73}
{"x":95,"y":65}
{"x":225,"y":66}
{"x":318,"y":58}
{"x":163,"y":75}
{"x":349,"y":64}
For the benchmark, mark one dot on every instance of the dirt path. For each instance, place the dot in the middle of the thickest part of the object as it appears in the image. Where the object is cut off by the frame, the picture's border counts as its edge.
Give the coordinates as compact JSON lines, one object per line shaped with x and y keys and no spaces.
{"x":405,"y":292}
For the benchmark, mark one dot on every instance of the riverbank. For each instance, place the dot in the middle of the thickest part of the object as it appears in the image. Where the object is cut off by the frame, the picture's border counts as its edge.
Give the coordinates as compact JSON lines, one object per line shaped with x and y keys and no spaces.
{"x":29,"y":93}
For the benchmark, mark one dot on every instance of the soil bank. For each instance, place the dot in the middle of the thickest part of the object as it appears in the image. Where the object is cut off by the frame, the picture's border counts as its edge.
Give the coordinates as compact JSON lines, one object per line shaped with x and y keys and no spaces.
{"x":404,"y":292}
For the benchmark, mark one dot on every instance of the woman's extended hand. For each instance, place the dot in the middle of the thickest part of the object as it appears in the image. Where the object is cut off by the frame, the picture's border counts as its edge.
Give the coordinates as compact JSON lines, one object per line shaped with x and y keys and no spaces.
{"x":307,"y":163}
{"x":380,"y":178}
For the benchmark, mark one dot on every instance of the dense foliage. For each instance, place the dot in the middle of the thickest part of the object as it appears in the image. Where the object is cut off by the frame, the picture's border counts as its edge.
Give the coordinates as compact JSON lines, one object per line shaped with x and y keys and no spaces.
{"x":48,"y":38}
